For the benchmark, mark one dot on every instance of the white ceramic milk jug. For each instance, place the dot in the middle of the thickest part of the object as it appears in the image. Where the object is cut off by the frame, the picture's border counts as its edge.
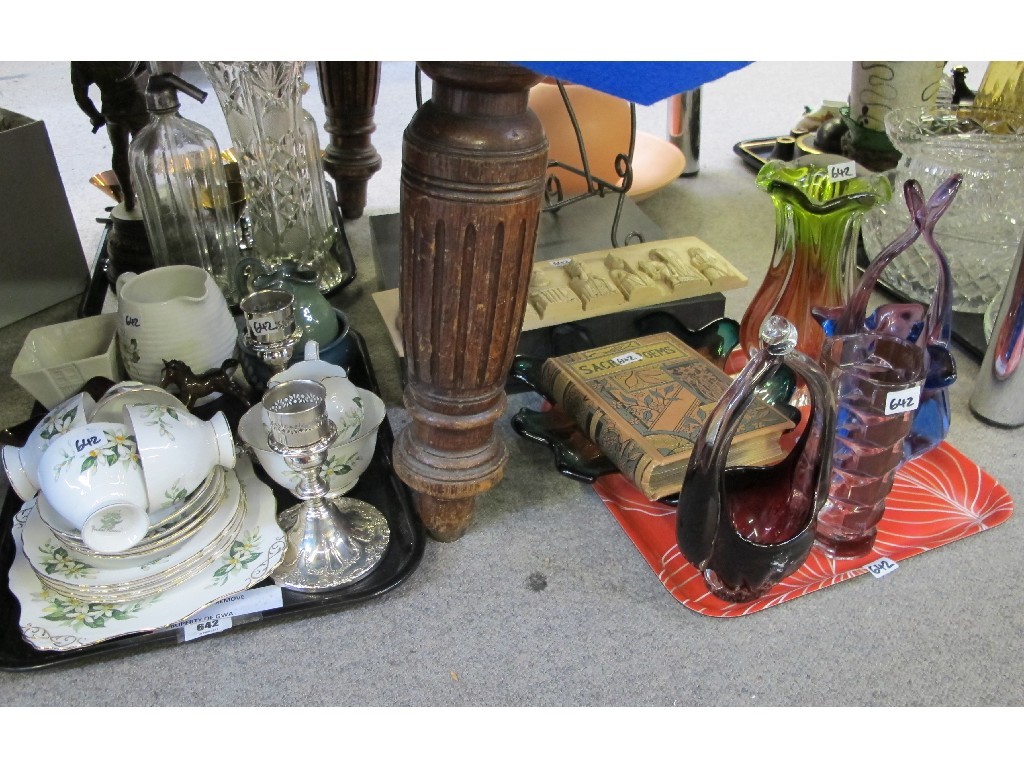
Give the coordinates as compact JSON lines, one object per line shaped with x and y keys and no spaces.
{"x":172,"y":313}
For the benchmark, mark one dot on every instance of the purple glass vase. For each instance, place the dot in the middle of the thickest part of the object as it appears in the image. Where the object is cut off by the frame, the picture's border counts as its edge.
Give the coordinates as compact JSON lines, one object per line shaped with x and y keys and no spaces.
{"x":928,"y":327}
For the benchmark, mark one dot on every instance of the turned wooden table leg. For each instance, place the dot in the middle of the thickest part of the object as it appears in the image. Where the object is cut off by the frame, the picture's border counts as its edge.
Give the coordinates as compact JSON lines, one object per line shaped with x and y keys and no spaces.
{"x":349,"y":91}
{"x":473,"y":172}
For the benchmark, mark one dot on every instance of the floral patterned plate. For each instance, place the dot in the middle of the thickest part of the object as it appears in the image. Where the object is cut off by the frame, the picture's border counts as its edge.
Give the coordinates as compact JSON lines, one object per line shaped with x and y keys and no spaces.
{"x":160,"y":535}
{"x":51,"y":622}
{"x":159,"y":581}
{"x":937,"y":499}
{"x":50,"y":556}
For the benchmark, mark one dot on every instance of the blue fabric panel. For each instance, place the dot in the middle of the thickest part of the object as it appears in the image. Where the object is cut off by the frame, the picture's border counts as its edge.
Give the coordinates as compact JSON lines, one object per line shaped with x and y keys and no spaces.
{"x":643,"y":82}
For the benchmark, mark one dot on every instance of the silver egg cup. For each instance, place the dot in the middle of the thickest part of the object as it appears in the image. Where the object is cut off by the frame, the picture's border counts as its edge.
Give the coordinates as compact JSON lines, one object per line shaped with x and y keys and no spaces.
{"x":271,"y":332}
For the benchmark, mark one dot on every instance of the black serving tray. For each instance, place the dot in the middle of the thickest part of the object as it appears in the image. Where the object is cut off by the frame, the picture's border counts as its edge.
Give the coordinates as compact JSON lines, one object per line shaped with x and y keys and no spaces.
{"x":378,"y":486}
{"x":755,"y":152}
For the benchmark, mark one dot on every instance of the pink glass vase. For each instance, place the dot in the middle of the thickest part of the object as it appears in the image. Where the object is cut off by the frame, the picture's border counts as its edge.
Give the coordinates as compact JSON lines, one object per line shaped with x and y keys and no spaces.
{"x":877,"y":380}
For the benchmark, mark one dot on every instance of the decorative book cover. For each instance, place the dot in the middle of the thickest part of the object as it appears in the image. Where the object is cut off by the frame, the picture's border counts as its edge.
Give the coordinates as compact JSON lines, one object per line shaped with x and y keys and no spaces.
{"x":643,"y":401}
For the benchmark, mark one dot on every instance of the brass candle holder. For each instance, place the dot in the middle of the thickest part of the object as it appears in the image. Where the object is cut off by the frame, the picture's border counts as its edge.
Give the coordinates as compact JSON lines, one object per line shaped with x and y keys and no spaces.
{"x":331,"y":542}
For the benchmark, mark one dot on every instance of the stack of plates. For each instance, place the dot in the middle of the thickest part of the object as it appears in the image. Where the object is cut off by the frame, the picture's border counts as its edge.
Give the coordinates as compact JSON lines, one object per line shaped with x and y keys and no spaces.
{"x":221,"y":541}
{"x":180,"y":545}
{"x":173,"y":526}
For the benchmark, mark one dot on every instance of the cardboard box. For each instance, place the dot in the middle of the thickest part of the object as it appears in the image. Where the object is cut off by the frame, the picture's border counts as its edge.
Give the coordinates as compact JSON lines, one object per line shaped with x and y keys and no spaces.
{"x":41,"y":258}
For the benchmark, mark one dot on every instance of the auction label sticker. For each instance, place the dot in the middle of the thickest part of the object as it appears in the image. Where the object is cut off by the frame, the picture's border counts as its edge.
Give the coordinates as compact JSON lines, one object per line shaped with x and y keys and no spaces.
{"x":626,"y":359}
{"x":883,"y":566}
{"x":217,"y":617}
{"x":842,"y":171}
{"x":565,"y":260}
{"x":202,"y":628}
{"x":903,"y":401}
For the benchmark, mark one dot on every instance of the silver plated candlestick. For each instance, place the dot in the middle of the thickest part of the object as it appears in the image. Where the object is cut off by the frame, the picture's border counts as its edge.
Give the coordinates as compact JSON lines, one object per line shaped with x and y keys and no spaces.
{"x":331,"y":542}
{"x":271,"y":332}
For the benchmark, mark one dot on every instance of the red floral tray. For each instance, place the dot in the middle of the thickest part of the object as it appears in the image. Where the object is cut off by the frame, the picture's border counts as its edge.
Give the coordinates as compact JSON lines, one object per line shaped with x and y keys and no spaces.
{"x":937,"y":499}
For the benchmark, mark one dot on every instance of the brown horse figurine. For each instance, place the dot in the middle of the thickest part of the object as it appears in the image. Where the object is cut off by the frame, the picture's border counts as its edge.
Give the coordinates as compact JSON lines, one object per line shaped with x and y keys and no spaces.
{"x":193,"y":386}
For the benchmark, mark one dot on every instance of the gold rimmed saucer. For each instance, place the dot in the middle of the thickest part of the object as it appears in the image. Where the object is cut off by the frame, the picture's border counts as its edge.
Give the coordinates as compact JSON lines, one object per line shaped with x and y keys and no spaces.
{"x":153,"y":585}
{"x":84,"y":577}
{"x":143,"y":589}
{"x":162,"y":532}
{"x":159,"y":545}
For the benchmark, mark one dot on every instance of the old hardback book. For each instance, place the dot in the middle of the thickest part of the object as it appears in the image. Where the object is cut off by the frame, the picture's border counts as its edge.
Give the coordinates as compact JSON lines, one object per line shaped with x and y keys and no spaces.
{"x":643,"y":401}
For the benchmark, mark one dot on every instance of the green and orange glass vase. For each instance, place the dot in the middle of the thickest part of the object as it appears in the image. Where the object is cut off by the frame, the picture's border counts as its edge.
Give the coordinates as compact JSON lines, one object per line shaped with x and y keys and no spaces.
{"x":820,"y":202}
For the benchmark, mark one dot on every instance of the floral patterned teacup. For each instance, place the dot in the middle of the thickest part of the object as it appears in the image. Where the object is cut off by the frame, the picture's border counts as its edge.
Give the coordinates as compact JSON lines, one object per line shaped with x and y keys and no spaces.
{"x":344,"y":406}
{"x":178,"y":450}
{"x":22,"y":464}
{"x":110,"y":407}
{"x":92,"y":477}
{"x":347,"y":458}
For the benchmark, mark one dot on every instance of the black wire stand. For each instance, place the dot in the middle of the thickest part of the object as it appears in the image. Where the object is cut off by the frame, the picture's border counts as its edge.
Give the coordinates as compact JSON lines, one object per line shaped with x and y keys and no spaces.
{"x":554,"y":197}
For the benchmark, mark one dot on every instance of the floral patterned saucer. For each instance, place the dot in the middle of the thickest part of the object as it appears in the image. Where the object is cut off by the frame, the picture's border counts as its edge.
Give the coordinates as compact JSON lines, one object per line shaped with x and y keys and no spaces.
{"x":53,"y":622}
{"x":160,"y":536}
{"x":49,"y":557}
{"x":160,"y":580}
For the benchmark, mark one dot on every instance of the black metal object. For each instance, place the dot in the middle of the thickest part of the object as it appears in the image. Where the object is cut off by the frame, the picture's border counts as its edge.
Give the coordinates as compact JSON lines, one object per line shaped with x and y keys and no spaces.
{"x":756,"y":152}
{"x":554,"y":200}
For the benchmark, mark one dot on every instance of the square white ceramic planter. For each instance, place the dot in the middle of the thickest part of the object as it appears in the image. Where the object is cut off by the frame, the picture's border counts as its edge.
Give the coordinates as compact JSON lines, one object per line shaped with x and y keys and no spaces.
{"x":56,"y":360}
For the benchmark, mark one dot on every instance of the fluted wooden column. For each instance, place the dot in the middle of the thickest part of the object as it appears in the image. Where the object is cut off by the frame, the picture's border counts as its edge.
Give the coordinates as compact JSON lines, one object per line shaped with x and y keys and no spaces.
{"x":349,"y":91}
{"x":473,"y":169}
